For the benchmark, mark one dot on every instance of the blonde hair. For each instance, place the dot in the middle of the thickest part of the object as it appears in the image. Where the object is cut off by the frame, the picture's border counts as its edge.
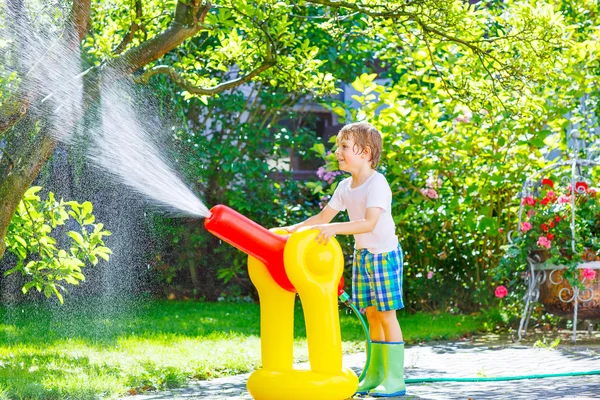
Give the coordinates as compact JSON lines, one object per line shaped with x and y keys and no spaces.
{"x":364,"y":135}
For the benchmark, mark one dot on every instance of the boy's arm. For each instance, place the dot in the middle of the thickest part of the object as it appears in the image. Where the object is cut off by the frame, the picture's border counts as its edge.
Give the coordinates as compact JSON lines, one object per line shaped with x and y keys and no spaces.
{"x":323,"y":217}
{"x":365,"y":225}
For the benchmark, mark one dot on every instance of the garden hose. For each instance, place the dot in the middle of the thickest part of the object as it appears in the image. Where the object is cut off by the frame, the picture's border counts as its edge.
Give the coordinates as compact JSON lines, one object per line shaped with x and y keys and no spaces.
{"x":344,"y":298}
{"x":502,"y":378}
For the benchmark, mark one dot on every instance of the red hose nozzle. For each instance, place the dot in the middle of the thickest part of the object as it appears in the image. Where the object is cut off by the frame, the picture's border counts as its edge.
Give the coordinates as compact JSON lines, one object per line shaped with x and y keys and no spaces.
{"x":251,"y":238}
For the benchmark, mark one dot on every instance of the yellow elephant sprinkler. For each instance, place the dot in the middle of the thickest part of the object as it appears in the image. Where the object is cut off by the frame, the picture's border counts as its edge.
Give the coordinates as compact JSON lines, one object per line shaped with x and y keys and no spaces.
{"x":279,"y":266}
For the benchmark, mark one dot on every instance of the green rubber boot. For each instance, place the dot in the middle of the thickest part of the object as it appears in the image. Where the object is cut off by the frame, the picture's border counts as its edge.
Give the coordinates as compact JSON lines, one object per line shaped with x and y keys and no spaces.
{"x":374,"y":374}
{"x":393,"y":367}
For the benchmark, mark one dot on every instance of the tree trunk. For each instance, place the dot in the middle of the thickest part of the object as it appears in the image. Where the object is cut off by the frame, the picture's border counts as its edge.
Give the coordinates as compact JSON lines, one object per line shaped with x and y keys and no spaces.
{"x":28,"y":146}
{"x":25,"y":126}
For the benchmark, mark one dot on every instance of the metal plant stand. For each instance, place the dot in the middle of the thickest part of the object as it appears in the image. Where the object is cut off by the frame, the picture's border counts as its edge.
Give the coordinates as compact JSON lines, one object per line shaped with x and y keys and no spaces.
{"x":537,"y":275}
{"x":538,"y":270}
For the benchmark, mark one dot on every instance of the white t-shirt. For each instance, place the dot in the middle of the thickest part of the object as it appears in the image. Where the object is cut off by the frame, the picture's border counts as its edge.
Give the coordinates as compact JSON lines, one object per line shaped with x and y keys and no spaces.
{"x":374,"y":192}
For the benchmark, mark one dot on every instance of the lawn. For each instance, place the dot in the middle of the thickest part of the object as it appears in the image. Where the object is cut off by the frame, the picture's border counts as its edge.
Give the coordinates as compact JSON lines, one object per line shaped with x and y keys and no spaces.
{"x":109,"y":349}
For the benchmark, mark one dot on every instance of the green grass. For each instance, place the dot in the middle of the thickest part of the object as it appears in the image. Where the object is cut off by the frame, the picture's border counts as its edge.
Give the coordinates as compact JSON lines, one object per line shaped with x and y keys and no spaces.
{"x":89,"y":351}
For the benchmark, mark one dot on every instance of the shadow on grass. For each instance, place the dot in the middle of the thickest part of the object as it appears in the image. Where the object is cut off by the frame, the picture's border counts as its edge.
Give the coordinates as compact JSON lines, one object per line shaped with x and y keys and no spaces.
{"x":55,"y":376}
{"x":99,"y":325}
{"x":105,"y":323}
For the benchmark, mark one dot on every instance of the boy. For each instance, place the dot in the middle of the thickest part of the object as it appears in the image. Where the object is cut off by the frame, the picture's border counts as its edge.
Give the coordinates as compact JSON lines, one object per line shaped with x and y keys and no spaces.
{"x":377,"y":265}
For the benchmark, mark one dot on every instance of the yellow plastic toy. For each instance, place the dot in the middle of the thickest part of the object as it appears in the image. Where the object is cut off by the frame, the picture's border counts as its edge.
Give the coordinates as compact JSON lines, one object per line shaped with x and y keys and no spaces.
{"x":278,"y":268}
{"x":314,"y":270}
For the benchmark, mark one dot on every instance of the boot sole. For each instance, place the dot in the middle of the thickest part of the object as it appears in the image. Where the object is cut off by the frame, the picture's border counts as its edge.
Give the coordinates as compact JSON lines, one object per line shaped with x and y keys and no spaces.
{"x":363,"y":392}
{"x":399,"y":393}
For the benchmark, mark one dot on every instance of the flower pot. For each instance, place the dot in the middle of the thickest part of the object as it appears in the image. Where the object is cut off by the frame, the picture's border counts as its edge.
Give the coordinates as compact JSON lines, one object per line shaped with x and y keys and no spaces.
{"x":550,"y":296}
{"x":539,"y":256}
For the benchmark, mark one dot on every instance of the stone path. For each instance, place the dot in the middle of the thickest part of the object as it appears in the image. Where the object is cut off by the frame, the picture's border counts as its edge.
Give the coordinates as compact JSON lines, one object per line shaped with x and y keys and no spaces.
{"x":455,"y":360}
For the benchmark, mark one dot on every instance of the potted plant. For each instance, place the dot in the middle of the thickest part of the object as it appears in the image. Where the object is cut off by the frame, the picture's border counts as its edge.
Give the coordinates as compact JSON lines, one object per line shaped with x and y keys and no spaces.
{"x":559,"y":230}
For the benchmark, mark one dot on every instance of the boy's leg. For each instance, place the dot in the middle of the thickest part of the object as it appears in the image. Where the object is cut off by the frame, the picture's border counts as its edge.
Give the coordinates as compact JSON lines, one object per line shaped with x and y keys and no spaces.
{"x":387,"y":271}
{"x":364,"y":297}
{"x":375,"y":370}
{"x":376,"y":330}
{"x":390,"y":326}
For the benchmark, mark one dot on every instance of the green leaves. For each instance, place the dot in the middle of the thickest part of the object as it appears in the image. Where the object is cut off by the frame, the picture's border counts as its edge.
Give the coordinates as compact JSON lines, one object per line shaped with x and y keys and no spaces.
{"x":38,"y":259}
{"x":463,"y":129}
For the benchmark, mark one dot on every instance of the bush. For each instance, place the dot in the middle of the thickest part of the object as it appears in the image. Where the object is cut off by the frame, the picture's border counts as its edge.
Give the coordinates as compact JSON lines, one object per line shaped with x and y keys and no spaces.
{"x":39,"y":260}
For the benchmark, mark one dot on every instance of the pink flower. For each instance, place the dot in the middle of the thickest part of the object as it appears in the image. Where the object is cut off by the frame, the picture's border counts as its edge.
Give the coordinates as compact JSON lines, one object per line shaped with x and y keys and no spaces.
{"x":431,"y":193}
{"x":564,"y":199}
{"x":529,"y":201}
{"x":327,"y":176}
{"x":430,"y":275}
{"x":525,"y":226}
{"x":465,"y":117}
{"x":589,"y":274}
{"x":321,"y":171}
{"x":543,"y":241}
{"x":431,"y":182}
{"x":501,"y":291}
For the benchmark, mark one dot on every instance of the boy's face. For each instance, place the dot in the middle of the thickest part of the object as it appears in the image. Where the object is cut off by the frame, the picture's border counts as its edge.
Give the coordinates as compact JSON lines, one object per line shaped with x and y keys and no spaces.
{"x":349,"y":157}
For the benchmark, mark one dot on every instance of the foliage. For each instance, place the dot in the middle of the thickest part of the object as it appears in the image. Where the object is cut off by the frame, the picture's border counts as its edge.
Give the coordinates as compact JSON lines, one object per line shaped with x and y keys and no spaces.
{"x":498,"y":61}
{"x":458,"y":141}
{"x":238,"y":35}
{"x":545,"y":233}
{"x":128,"y":348}
{"x":40,"y":260}
{"x":235,"y":149}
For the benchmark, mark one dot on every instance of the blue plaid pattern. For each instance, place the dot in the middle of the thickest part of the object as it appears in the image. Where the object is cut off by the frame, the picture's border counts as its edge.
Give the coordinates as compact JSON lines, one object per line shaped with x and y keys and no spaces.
{"x":377,"y":279}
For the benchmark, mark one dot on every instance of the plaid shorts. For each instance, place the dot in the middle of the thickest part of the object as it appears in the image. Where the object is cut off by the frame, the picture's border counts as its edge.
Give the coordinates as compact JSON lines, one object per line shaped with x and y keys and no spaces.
{"x":377,"y":279}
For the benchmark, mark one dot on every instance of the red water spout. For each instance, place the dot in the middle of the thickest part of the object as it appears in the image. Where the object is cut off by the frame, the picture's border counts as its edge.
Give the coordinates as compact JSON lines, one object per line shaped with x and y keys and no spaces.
{"x":251,"y":238}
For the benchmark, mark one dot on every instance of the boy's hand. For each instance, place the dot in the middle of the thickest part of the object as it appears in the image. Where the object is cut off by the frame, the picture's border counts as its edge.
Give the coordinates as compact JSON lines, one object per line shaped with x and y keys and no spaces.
{"x":326,"y":232}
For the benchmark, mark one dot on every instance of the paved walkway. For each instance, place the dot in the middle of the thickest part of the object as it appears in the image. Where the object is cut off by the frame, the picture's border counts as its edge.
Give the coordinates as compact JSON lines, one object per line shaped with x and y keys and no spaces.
{"x":456,"y":360}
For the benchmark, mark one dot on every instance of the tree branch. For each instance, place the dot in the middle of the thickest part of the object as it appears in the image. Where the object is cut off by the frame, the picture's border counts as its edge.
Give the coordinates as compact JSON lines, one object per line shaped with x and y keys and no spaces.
{"x":270,"y":60}
{"x":13,"y":112}
{"x":186,"y":85}
{"x":77,"y":28}
{"x":80,"y":18}
{"x":368,"y":9}
{"x":133,"y":28}
{"x":188,"y":21}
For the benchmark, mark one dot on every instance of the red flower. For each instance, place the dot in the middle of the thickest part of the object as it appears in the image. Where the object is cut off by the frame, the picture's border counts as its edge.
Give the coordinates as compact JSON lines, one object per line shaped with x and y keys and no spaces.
{"x":544,"y":227}
{"x":551,"y":224}
{"x":545,"y":201}
{"x":547,"y":182}
{"x":581,"y":187}
{"x":501,"y":291}
{"x":550,"y":236}
{"x":557,"y":218}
